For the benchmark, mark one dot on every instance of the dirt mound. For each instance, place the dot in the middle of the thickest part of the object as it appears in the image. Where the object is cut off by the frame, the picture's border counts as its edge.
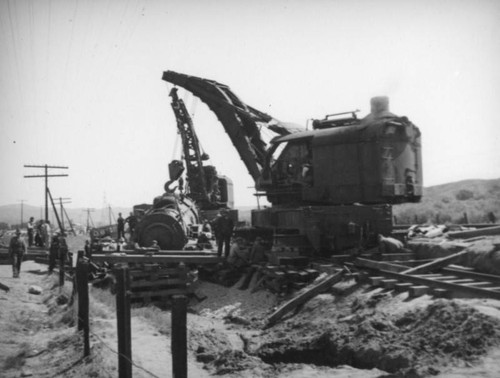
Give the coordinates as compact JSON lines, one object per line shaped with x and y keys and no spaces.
{"x":413,"y":343}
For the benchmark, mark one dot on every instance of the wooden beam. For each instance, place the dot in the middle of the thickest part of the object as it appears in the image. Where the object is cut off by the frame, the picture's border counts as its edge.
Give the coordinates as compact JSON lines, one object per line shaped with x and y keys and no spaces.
{"x":4,"y":287}
{"x":470,"y":290}
{"x":473,"y":233}
{"x":134,"y":252}
{"x":436,"y":264}
{"x":159,"y":293}
{"x":304,"y":297}
{"x":472,"y":274}
{"x":379,"y":265}
{"x":187,"y":259}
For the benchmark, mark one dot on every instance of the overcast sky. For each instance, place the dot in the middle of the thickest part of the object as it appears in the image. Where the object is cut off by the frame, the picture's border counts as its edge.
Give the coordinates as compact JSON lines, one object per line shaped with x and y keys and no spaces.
{"x":81,"y":86}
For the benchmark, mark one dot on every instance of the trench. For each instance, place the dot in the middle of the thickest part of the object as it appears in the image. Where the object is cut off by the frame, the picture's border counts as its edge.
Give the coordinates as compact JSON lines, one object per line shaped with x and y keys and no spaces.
{"x":326,"y":351}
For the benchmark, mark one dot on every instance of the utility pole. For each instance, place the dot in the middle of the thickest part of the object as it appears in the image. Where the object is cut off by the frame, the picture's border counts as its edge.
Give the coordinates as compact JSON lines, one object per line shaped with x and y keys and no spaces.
{"x":66,"y":200}
{"x":22,"y":202}
{"x":110,"y":215}
{"x":89,"y":218}
{"x":46,"y":176}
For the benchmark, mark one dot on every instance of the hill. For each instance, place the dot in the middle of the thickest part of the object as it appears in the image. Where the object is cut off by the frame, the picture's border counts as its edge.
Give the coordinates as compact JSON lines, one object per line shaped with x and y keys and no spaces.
{"x":467,"y":201}
{"x":451,"y":202}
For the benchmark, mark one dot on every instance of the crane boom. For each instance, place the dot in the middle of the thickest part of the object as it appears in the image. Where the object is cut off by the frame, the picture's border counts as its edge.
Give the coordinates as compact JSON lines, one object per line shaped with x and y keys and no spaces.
{"x":192,"y":153}
{"x":241,"y":122}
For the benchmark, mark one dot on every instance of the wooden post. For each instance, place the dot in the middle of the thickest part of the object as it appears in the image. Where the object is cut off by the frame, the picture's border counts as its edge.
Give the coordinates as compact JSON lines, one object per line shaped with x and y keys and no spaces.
{"x":82,"y":280}
{"x":123,"y":323}
{"x":179,"y":336}
{"x":62,"y":258}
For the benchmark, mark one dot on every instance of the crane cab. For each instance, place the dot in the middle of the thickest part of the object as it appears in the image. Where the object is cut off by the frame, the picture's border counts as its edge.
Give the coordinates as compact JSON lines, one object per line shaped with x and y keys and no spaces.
{"x":373,"y":160}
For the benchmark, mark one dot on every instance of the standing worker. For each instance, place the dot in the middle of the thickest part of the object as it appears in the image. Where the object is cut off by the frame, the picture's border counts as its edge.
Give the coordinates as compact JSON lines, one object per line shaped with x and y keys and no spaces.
{"x":17,"y":249}
{"x":121,"y":226}
{"x":132,"y":222}
{"x":31,"y":231}
{"x":223,"y":227}
{"x":46,"y":234}
{"x":53,"y":252}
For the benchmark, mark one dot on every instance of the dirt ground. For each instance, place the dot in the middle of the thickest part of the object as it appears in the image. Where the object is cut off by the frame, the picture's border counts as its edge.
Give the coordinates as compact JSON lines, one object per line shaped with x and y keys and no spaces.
{"x":351,"y":331}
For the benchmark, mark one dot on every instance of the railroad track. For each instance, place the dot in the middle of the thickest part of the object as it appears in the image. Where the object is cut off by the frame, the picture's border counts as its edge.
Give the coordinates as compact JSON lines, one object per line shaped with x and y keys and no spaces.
{"x":450,"y":282}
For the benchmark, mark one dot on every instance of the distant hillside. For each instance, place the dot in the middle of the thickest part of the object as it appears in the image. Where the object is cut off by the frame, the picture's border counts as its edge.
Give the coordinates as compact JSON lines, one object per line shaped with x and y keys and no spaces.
{"x":440,"y":204}
{"x":468,"y":201}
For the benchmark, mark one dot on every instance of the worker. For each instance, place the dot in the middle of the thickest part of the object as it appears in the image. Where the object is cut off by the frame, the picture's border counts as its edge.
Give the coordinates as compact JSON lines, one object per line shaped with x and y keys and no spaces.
{"x":239,"y":255}
{"x":120,"y":226}
{"x":223,"y":227}
{"x":46,"y":234}
{"x":17,"y":249}
{"x":257,"y":254}
{"x":132,"y":222}
{"x":203,"y":242}
{"x":38,"y":234}
{"x":31,"y":231}
{"x":63,"y":247}
{"x":87,"y":249}
{"x":491,"y":217}
{"x":53,"y":253}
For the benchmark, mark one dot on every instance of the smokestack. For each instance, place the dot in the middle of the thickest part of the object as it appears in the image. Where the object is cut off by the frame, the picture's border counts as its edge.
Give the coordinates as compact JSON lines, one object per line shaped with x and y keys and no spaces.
{"x":379,"y":105}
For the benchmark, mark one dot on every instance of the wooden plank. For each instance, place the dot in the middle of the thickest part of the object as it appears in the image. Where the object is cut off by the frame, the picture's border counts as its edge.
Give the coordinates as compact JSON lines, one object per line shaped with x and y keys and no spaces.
{"x":473,"y":233}
{"x":460,"y":281}
{"x":403,"y":286}
{"x":141,"y":252}
{"x":441,"y":293}
{"x":304,"y":297}
{"x":470,"y":290}
{"x":441,"y":277}
{"x":418,"y":291}
{"x":375,"y":281}
{"x":480,"y":284}
{"x":156,"y":283}
{"x":379,"y":265}
{"x":389,"y":284}
{"x":471,"y":274}
{"x":165,"y":272}
{"x":393,"y":256}
{"x":159,"y":293}
{"x":430,"y":275}
{"x":436,"y":264}
{"x":4,"y":287}
{"x":171,"y":259}
{"x":411,"y":263}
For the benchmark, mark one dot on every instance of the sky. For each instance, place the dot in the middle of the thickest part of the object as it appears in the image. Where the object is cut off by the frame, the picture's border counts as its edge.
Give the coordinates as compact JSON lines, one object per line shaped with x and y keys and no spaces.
{"x":80,"y":84}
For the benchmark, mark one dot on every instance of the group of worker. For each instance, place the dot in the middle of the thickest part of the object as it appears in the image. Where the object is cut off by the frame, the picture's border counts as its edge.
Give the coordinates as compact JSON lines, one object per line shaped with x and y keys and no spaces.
{"x":39,"y":233}
{"x":236,"y":251}
{"x":132,"y":223}
{"x":17,"y":249}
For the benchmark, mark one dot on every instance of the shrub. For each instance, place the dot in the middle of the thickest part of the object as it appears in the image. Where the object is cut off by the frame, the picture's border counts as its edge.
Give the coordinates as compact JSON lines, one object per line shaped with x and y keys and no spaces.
{"x":464,"y":194}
